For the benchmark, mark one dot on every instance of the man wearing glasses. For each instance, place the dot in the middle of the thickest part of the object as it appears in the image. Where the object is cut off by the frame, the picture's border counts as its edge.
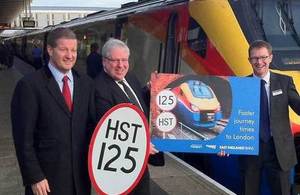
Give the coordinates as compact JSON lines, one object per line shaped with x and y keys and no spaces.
{"x":277,"y":155}
{"x":115,"y":85}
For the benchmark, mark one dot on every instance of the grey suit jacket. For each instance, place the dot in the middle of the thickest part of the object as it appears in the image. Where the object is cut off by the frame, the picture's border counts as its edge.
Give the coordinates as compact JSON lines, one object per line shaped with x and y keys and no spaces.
{"x":50,"y":141}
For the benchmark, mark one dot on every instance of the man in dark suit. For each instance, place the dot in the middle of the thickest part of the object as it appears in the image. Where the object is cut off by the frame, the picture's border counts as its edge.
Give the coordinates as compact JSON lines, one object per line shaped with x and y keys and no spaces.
{"x":53,"y":115}
{"x":277,"y":154}
{"x":94,"y":61}
{"x":115,"y":85}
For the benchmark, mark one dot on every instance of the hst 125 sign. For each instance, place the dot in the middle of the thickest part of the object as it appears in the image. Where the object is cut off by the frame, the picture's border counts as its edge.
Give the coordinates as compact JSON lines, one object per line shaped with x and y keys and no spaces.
{"x":119,"y":150}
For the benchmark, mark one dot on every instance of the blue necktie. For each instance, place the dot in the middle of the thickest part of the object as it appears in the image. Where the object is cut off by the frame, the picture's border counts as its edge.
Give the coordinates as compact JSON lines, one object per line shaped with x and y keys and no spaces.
{"x":264,"y":129}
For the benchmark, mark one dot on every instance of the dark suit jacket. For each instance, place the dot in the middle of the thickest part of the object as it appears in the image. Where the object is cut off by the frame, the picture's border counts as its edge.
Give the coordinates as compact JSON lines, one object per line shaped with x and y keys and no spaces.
{"x":109,"y":94}
{"x":286,"y":96}
{"x":50,"y":141}
{"x":279,"y":118}
{"x":94,"y":64}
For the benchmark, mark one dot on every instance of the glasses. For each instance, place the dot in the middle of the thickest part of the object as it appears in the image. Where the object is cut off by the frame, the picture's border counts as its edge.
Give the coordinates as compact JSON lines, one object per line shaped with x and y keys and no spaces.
{"x":123,"y":60}
{"x":256,"y":59}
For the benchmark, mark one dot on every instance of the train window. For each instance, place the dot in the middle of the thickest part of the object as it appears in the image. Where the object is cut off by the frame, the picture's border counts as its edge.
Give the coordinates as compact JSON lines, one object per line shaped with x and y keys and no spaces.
{"x":197,"y":39}
{"x":197,"y":42}
{"x":282,"y":35}
{"x":281,"y":25}
{"x":33,"y":49}
{"x":87,"y":34}
{"x":145,"y":46}
{"x":119,"y":29}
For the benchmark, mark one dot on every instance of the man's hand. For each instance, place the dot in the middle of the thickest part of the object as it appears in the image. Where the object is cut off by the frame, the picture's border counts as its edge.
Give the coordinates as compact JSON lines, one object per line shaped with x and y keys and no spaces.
{"x":41,"y":188}
{"x":152,"y":149}
{"x":223,"y":154}
{"x":149,"y":82}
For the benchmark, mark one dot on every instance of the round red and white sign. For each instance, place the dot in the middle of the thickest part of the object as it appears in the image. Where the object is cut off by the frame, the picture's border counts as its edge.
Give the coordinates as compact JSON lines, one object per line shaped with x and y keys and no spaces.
{"x":119,"y":150}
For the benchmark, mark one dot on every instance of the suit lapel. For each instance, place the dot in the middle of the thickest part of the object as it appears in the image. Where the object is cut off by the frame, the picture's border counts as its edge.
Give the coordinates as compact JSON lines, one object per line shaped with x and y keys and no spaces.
{"x":54,"y":90}
{"x":117,"y":91}
{"x":274,"y":85}
{"x":120,"y":95}
{"x":137,"y":93}
{"x":77,"y":93}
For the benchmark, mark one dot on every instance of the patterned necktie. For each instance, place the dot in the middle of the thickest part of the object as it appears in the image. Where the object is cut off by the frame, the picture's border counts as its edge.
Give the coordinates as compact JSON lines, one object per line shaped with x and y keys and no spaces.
{"x":66,"y":93}
{"x":264,"y":132}
{"x":130,"y":94}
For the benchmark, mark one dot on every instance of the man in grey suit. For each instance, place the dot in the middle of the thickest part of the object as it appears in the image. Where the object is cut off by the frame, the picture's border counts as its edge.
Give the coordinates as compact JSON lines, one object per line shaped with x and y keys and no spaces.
{"x":53,"y":116}
{"x":277,"y":154}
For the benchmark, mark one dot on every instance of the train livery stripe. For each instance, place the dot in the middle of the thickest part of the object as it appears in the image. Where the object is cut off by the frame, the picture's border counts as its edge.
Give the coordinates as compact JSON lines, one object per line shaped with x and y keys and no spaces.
{"x":218,"y":21}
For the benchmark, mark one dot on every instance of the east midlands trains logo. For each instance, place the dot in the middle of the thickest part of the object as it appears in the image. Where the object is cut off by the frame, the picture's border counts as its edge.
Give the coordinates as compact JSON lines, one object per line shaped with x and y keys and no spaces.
{"x":211,"y":146}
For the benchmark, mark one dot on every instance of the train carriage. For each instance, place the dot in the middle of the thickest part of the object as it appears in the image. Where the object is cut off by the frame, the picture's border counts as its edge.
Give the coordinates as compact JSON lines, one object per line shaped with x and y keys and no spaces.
{"x":206,"y":37}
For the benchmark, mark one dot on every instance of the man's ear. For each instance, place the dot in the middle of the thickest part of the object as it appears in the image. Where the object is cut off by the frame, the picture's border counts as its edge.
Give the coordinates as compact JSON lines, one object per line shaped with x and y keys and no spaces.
{"x":271,"y":57}
{"x":104,"y":61}
{"x":49,"y":50}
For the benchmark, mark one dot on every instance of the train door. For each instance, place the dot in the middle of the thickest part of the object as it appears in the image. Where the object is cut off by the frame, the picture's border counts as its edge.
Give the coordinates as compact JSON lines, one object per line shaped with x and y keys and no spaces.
{"x":154,"y":38}
{"x":142,"y":33}
{"x":96,"y":32}
{"x":172,"y":47}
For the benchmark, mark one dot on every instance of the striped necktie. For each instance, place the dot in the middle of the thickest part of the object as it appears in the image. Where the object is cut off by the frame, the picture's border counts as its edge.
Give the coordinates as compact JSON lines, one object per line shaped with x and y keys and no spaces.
{"x":130,"y":94}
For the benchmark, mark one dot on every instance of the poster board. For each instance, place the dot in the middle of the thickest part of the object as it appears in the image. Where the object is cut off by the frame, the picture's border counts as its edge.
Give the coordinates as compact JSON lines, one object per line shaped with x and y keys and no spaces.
{"x":205,"y":114}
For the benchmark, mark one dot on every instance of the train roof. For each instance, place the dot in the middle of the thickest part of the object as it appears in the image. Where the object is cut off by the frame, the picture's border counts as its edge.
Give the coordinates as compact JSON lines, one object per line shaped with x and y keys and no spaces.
{"x":126,"y":9}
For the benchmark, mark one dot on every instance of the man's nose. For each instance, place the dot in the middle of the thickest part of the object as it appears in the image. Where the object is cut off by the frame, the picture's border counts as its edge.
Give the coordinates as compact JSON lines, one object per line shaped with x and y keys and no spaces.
{"x":119,"y":62}
{"x":260,"y":60}
{"x":69,"y":54}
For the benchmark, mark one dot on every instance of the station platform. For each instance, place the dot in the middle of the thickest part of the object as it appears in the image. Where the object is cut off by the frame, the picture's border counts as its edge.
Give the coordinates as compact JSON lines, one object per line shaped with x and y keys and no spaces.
{"x":175,"y":178}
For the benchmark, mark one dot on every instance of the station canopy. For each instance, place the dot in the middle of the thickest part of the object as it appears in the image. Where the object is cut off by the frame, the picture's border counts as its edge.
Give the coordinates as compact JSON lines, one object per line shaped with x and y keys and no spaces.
{"x":9,"y":10}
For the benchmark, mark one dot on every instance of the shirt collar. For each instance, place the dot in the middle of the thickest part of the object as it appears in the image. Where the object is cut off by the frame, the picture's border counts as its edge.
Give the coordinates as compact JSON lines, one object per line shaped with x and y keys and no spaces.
{"x":58,"y":76}
{"x":265,"y":78}
{"x":124,"y":80}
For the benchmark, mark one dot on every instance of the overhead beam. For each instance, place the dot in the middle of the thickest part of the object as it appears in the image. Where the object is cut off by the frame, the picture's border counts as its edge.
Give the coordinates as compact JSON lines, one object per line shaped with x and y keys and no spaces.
{"x":10,"y":9}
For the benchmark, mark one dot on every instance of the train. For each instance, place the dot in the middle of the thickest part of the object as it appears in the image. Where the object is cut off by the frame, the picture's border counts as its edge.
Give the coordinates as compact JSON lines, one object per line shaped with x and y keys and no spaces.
{"x":205,"y":37}
{"x":197,"y":105}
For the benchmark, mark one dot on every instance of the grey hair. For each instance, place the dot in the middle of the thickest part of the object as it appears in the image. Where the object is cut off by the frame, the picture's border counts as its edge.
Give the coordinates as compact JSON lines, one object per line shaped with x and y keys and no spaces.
{"x":111,"y":44}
